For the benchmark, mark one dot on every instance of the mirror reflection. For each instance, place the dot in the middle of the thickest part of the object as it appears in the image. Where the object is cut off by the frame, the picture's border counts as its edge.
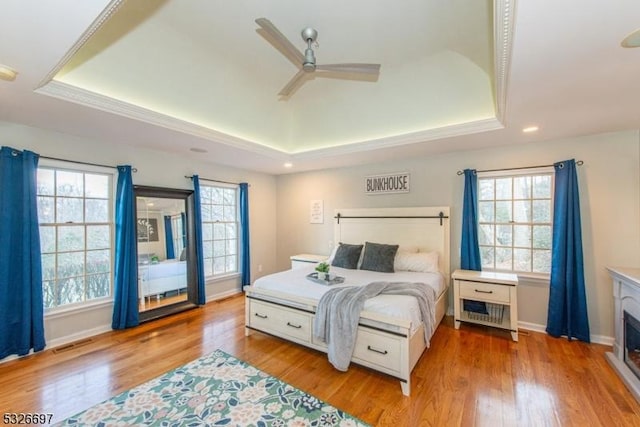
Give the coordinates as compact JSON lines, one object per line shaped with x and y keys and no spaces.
{"x":162,"y":254}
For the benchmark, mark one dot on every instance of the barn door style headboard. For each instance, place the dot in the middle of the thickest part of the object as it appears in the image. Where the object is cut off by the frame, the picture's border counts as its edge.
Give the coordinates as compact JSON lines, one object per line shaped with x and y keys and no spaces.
{"x":425,"y":228}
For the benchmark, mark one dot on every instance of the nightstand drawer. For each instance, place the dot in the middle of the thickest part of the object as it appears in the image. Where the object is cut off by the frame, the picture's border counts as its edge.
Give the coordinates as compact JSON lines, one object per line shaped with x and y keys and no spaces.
{"x":484,"y":291}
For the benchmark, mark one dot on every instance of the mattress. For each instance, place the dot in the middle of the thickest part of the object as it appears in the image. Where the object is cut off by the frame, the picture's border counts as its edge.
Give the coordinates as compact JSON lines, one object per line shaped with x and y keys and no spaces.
{"x":294,"y":282}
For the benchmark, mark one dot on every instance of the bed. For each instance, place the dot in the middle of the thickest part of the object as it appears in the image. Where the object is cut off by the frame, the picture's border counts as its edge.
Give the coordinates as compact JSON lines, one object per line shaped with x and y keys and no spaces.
{"x":160,"y":278}
{"x":390,"y":336}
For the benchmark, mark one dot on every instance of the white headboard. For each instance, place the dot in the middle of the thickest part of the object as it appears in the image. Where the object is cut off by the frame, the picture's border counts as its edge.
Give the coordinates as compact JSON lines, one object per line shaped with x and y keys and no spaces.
{"x":426,"y":228}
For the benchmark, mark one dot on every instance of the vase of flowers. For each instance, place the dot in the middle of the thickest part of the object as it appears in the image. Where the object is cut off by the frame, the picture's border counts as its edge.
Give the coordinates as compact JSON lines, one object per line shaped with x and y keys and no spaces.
{"x":323,"y":271}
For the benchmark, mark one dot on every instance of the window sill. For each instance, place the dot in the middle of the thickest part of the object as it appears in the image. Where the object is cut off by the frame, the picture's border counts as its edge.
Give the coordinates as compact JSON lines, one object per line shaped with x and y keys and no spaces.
{"x":534,"y":279}
{"x":221,"y":278}
{"x":80,"y":308}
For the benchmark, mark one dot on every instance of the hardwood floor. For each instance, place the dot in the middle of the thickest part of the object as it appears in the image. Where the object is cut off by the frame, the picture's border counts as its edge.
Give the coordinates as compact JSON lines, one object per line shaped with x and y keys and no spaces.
{"x":473,"y":376}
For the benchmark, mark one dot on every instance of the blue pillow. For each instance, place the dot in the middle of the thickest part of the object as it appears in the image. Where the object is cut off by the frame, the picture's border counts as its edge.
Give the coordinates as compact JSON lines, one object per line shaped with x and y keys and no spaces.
{"x":347,"y":256}
{"x":379,"y":257}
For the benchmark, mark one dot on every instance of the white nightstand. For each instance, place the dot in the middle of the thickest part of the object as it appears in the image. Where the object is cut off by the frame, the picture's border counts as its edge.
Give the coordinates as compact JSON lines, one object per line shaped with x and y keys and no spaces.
{"x":305,"y":260}
{"x":495,"y":291}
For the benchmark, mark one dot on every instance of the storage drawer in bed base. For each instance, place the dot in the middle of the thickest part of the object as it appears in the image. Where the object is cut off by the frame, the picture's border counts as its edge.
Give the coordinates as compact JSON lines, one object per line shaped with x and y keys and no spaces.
{"x":375,"y":348}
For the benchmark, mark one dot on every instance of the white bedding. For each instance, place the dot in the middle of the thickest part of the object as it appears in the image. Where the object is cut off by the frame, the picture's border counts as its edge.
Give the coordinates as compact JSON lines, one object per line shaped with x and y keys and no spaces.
{"x":162,"y":277}
{"x":404,"y":307}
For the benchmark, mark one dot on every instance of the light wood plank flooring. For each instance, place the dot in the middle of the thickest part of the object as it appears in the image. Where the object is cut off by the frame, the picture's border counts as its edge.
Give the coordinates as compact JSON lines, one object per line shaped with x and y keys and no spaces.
{"x":473,"y":376}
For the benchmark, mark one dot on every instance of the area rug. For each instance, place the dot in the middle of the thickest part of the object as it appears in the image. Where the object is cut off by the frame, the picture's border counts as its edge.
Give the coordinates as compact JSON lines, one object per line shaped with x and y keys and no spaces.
{"x":215,"y":390}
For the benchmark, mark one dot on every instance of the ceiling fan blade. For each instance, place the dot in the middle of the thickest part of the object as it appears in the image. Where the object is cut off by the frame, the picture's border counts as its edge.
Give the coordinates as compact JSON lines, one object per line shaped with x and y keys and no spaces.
{"x":280,"y":42}
{"x":350,"y":68}
{"x":295,"y":82}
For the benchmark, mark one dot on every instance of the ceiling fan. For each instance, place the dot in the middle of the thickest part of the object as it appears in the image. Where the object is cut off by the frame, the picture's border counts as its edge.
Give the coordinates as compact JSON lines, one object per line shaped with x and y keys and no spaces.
{"x":307,"y":63}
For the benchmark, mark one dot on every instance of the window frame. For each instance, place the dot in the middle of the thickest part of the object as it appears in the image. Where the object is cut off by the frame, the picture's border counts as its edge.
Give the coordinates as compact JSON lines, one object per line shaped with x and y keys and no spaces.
{"x":227,"y":274}
{"x":111,"y":174}
{"x":515,"y":173}
{"x":177,"y":238}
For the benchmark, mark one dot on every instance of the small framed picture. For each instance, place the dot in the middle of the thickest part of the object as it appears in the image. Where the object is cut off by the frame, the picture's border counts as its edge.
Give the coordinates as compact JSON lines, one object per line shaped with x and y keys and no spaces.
{"x":147,"y":230}
{"x":316,"y":212}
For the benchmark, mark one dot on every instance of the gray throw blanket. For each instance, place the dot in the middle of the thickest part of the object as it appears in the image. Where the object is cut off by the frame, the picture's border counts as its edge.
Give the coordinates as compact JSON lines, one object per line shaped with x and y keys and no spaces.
{"x":338,"y":313}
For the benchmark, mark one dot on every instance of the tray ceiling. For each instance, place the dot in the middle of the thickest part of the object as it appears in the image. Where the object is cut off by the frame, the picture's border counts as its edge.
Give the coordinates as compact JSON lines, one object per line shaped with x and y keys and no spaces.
{"x":195,"y":78}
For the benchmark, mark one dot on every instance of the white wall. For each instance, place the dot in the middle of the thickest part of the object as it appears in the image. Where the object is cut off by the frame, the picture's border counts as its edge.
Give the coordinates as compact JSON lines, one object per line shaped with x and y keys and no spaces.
{"x":279,"y":208}
{"x":610,"y":205}
{"x":154,"y":169}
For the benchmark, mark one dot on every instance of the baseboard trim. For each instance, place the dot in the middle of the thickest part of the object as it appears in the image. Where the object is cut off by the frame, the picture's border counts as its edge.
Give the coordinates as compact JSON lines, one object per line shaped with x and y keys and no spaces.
{"x":77,"y":336}
{"x":595,"y":339}
{"x":223,"y":295}
{"x":57,"y":342}
{"x":535,"y":327}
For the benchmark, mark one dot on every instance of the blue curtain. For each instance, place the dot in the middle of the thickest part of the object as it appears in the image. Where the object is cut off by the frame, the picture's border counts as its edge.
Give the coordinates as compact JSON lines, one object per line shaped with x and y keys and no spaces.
{"x":197,"y":227}
{"x":469,"y":249}
{"x":567,"y":313}
{"x":244,"y":224}
{"x":21,"y":303}
{"x":125,"y":304}
{"x":168,"y":237}
{"x":183,"y":218}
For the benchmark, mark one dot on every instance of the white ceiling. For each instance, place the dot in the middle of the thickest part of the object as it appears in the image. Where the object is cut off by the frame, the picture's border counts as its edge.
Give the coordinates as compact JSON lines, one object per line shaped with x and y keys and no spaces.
{"x":455,"y":75}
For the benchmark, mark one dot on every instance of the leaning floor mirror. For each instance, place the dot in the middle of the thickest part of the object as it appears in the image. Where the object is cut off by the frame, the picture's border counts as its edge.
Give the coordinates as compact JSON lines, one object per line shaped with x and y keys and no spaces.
{"x":166,"y":253}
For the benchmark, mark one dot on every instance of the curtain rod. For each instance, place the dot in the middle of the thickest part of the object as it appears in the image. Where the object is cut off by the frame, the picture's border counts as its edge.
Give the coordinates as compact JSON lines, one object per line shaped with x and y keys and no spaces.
{"x":84,"y":163}
{"x":579,"y":163}
{"x":213,"y":180}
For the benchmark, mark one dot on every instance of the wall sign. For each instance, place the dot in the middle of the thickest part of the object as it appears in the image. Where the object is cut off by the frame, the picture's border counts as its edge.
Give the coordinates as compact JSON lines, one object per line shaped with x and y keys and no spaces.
{"x":316,"y":212}
{"x":388,"y":183}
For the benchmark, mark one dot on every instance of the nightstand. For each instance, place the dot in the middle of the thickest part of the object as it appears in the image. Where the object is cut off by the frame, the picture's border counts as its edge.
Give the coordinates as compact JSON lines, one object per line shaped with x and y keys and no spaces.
{"x":305,"y":260}
{"x":493,"y":296}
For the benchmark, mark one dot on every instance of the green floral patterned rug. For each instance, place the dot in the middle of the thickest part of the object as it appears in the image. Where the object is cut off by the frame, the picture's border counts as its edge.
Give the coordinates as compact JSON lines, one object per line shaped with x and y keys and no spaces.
{"x":215,"y":390}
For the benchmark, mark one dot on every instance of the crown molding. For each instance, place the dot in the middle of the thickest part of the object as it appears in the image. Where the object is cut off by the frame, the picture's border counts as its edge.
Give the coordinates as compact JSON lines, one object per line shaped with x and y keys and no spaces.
{"x":460,"y":129}
{"x":91,"y":99}
{"x":100,"y":20}
{"x":104,"y":103}
{"x":504,"y":22}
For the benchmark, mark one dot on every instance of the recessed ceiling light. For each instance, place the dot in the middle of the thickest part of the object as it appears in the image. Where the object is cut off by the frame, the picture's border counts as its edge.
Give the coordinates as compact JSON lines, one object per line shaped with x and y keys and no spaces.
{"x":632,"y":40}
{"x":149,"y":204}
{"x":198,"y":150}
{"x":7,"y":73}
{"x":288,"y":165}
{"x":530,"y":129}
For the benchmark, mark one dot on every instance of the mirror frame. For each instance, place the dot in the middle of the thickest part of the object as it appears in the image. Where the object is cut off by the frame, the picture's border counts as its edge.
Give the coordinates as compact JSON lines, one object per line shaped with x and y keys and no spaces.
{"x":192,"y":276}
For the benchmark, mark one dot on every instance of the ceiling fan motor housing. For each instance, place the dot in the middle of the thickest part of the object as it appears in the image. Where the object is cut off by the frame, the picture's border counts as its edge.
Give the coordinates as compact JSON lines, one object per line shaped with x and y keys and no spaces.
{"x":309,"y":35}
{"x":309,"y":63}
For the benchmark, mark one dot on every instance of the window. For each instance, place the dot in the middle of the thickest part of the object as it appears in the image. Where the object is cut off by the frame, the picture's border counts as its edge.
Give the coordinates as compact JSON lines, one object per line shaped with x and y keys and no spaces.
{"x":515,"y":221}
{"x":75,"y":216}
{"x":178,"y":236}
{"x":219,"y":229}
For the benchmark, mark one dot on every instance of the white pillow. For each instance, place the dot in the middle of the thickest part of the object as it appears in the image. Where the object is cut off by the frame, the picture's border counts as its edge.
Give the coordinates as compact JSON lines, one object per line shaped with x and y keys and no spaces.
{"x":333,"y":255}
{"x":425,"y":262}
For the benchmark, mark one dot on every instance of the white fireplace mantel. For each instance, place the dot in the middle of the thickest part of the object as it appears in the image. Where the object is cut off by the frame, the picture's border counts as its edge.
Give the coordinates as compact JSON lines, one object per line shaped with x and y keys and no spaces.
{"x":626,"y":297}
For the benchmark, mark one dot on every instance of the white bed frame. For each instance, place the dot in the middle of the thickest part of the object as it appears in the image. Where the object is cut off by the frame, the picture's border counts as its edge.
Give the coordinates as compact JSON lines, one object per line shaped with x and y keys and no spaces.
{"x":385,"y":344}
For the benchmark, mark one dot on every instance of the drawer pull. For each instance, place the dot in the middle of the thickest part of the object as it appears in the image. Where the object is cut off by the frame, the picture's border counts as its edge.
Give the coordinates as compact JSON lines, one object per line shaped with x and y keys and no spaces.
{"x":377,"y":351}
{"x":483,"y":292}
{"x":294,"y":326}
{"x":262,"y":316}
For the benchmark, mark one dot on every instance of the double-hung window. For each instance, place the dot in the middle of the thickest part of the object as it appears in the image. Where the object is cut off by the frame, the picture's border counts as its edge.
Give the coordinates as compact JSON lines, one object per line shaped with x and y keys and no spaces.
{"x":515,"y":220}
{"x":178,"y":234}
{"x":75,"y":216}
{"x":219,"y":206}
